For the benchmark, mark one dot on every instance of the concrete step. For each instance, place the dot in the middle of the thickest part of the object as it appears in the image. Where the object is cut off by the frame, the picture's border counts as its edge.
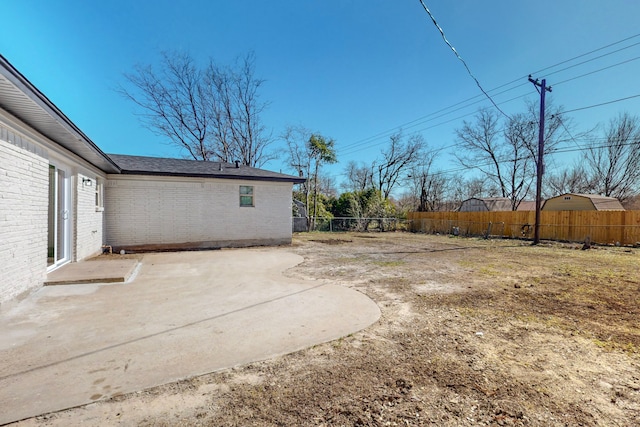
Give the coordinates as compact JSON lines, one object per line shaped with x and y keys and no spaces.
{"x":98,"y":271}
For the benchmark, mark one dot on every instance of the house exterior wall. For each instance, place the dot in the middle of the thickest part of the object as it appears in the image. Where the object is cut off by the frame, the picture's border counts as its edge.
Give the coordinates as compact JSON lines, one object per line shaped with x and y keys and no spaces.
{"x":174,"y":212}
{"x":568,"y":203}
{"x":24,"y":184}
{"x":25,"y":156}
{"x":89,"y":217}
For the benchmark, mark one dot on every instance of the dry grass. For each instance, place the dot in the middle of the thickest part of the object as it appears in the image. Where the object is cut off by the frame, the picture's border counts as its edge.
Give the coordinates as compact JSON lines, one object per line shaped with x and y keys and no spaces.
{"x":473,"y":332}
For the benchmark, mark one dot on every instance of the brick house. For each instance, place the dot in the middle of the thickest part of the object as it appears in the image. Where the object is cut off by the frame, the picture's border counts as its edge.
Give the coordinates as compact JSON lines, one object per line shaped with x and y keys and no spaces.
{"x":62,"y":198}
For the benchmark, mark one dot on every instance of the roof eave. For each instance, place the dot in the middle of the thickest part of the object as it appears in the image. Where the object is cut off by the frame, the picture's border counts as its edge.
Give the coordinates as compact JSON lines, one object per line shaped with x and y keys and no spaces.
{"x":293,"y":180}
{"x":78,"y":143}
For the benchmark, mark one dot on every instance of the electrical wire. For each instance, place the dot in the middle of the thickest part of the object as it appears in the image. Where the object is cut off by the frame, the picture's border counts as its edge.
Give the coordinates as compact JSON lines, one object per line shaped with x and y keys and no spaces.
{"x":601,"y":104}
{"x":347,"y":152}
{"x":355,"y":148}
{"x":597,"y":71}
{"x":460,"y":105}
{"x":453,"y":49}
{"x":503,"y":160}
{"x":593,"y":59}
{"x":587,"y":54}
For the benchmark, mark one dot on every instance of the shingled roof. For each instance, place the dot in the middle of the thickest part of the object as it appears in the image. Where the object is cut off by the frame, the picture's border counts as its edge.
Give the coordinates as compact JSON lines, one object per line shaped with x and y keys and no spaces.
{"x":140,"y":165}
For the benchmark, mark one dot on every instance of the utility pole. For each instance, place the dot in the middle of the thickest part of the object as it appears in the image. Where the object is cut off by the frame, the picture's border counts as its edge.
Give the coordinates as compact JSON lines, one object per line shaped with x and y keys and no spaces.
{"x":540,"y":163}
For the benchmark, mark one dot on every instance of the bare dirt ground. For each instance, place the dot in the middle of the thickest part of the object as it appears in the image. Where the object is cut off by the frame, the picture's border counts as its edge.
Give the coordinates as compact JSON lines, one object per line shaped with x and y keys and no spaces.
{"x":473,"y":332}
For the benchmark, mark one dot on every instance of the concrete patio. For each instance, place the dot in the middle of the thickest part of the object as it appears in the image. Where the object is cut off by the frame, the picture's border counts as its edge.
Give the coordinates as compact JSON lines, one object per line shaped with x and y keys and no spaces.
{"x":183,"y":314}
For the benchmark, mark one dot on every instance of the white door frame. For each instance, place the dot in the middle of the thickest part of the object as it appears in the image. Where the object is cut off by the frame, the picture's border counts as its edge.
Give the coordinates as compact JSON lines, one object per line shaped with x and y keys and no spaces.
{"x":59,"y":227}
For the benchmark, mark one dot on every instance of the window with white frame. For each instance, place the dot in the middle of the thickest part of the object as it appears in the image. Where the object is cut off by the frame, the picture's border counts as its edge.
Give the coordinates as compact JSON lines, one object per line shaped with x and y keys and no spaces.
{"x":99,"y":195}
{"x":246,"y":196}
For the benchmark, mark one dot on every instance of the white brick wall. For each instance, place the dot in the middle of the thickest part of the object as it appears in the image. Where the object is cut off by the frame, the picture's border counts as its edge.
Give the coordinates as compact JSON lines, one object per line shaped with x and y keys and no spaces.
{"x":88,"y":221}
{"x":159,"y":210}
{"x":24,"y":183}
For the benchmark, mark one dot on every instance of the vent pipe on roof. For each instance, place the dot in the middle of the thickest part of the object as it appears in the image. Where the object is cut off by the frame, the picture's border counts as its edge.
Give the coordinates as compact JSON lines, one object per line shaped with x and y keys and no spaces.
{"x":237,"y":164}
{"x":220,"y":167}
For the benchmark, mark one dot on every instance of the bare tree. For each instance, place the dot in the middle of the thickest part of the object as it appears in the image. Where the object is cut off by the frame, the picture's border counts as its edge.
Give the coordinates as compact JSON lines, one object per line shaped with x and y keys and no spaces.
{"x":478,"y":187}
{"x":507,"y":157}
{"x":299,"y":159}
{"x":481,"y":148}
{"x":396,"y":161}
{"x":359,"y":177}
{"x":243,"y":110}
{"x":429,"y":188}
{"x":615,"y":164}
{"x":213,"y":113}
{"x":327,"y":186}
{"x":521,"y":159}
{"x":569,"y":180}
{"x":556,"y":128}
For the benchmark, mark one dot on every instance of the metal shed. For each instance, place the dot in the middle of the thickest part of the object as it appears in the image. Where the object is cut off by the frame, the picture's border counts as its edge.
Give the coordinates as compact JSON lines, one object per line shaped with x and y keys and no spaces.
{"x":582,"y":202}
{"x":485,"y":204}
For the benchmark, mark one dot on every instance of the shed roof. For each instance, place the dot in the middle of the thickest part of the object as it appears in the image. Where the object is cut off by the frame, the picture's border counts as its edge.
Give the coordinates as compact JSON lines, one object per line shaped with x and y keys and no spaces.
{"x":600,"y":203}
{"x":492,"y":203}
{"x":603,"y":203}
{"x":527,"y":205}
{"x":497,"y":203}
{"x":141,"y":165}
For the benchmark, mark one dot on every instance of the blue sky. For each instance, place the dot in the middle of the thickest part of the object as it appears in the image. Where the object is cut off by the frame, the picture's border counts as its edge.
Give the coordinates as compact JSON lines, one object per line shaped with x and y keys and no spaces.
{"x":349,"y":69}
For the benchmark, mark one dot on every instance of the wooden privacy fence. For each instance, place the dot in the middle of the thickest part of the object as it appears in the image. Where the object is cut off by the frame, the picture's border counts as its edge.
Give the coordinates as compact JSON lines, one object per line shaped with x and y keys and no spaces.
{"x":603,"y":227}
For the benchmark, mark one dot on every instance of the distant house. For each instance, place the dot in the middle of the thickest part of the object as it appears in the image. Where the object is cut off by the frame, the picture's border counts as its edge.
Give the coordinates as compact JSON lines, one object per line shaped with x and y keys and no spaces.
{"x":299,"y":217}
{"x":299,"y":209}
{"x":62,"y":198}
{"x":485,"y":204}
{"x":582,"y":202}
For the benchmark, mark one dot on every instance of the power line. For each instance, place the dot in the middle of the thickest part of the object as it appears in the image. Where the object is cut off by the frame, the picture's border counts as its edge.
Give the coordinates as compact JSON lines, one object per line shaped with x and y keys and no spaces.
{"x":567,"y":131}
{"x":352,"y":148}
{"x":598,"y":70}
{"x":586,"y":54}
{"x":595,"y":147}
{"x":460,"y":105}
{"x":601,"y":104}
{"x":503,"y":160}
{"x":593,"y":59}
{"x":355,"y":148}
{"x":453,"y":49}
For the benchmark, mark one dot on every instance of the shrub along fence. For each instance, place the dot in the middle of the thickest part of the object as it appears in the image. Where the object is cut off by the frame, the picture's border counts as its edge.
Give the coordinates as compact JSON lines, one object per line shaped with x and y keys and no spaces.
{"x":603,"y":227}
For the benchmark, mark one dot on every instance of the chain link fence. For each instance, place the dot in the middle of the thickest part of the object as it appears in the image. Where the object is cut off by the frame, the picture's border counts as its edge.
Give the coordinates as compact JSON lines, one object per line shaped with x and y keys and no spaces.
{"x":350,"y":224}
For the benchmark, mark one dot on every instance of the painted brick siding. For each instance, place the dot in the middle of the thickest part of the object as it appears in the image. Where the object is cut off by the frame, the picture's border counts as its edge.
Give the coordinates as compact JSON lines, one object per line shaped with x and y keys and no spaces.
{"x":150,"y":211}
{"x":88,"y":231}
{"x":24,"y":183}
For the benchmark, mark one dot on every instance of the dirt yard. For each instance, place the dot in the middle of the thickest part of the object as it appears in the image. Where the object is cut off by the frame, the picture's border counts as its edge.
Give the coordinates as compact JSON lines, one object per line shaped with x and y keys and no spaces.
{"x":473,"y":332}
